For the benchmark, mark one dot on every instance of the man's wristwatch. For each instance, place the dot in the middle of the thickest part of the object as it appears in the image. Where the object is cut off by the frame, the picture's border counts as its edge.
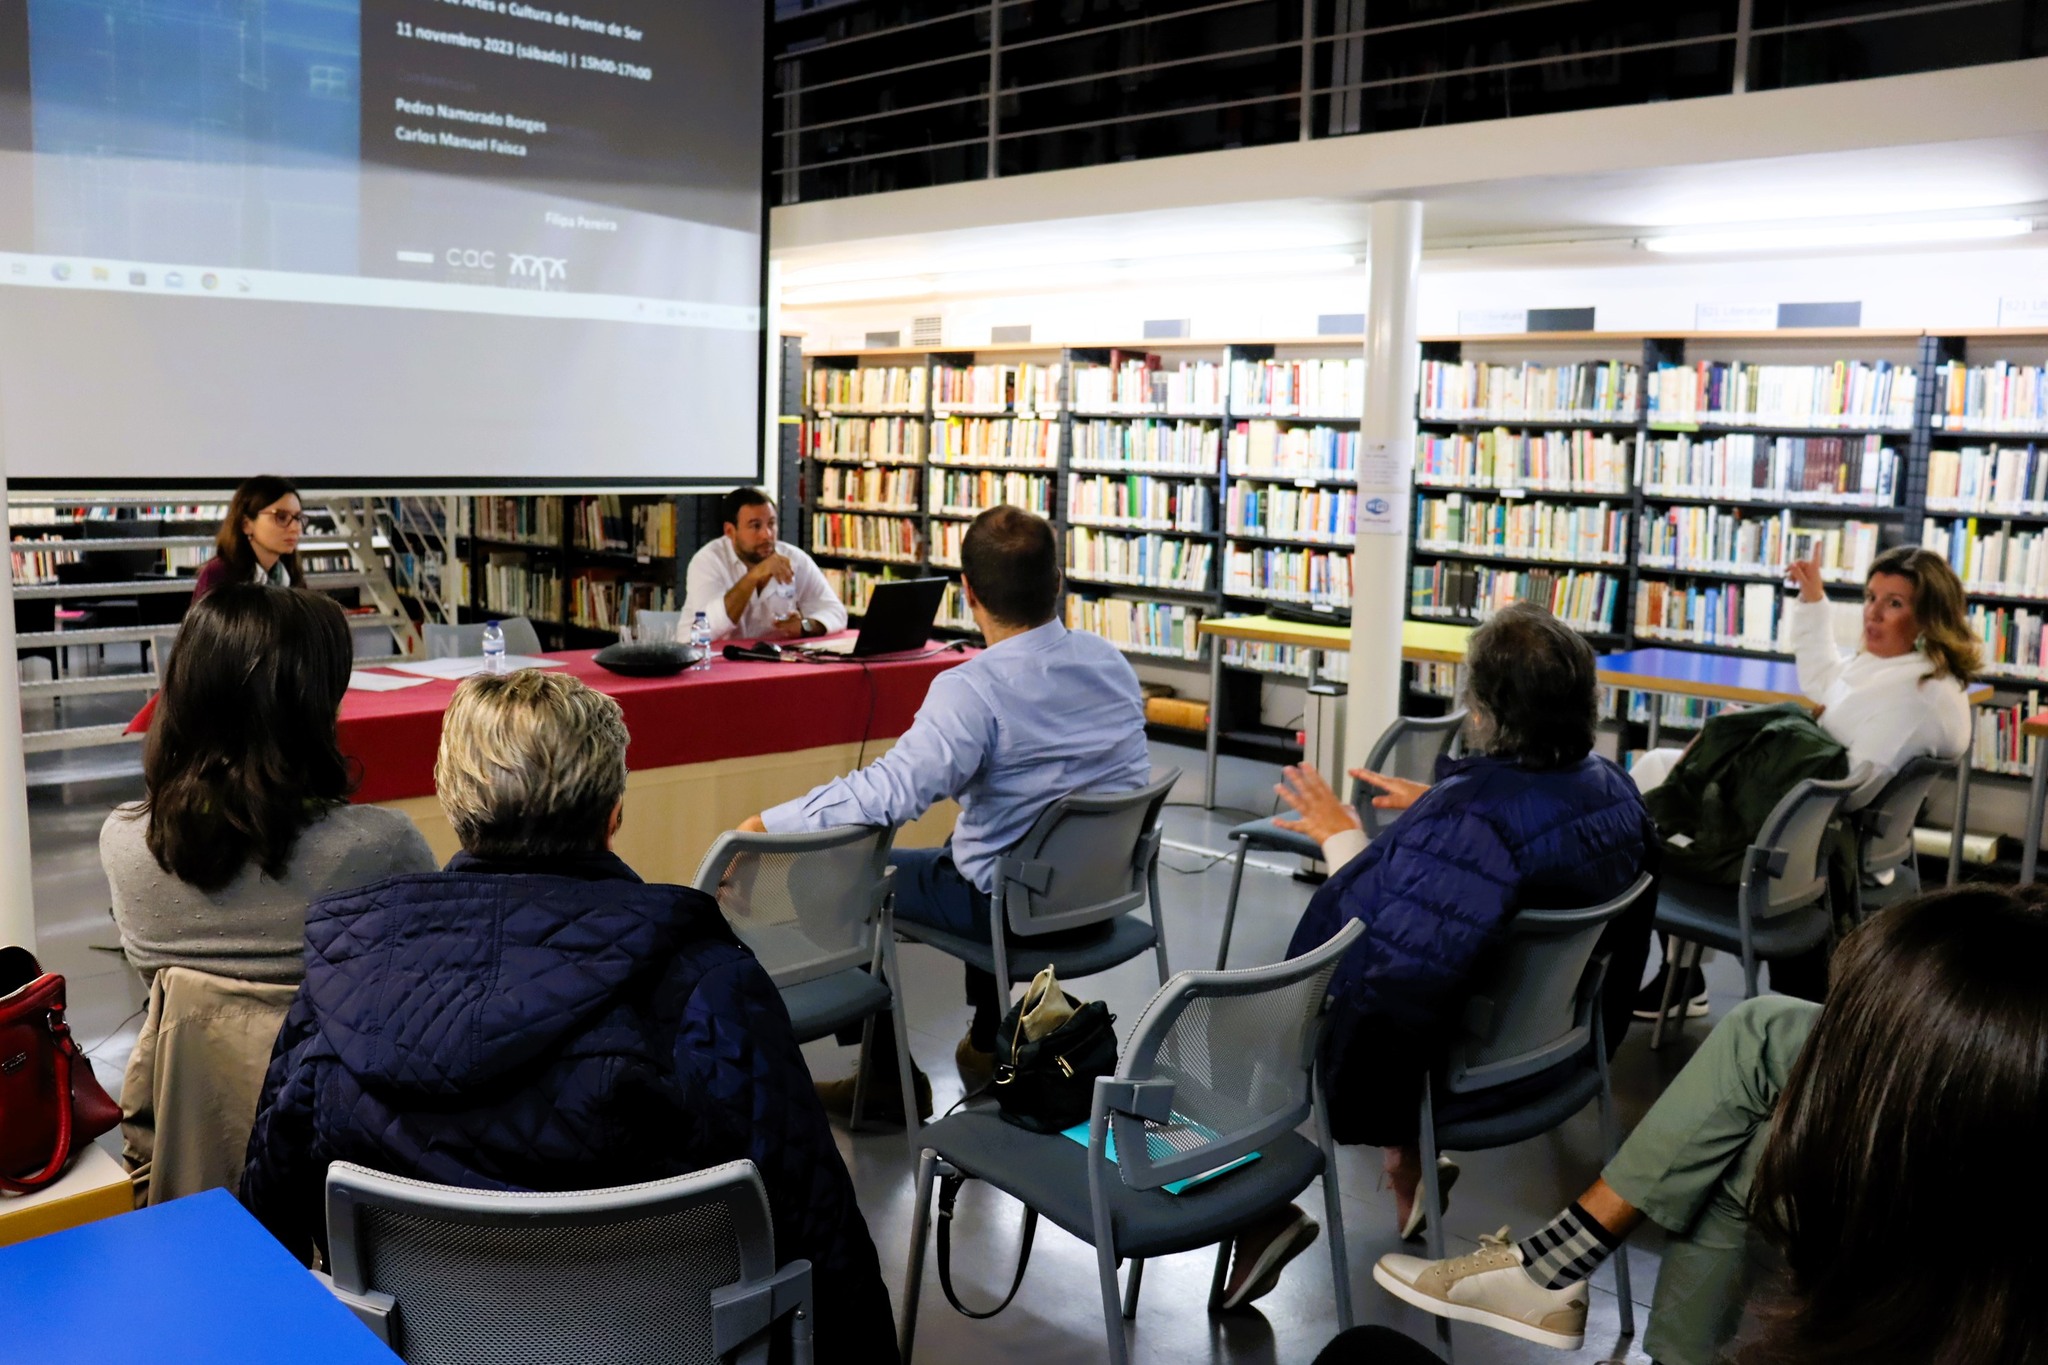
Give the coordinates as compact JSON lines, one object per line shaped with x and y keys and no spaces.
{"x":811,"y":627}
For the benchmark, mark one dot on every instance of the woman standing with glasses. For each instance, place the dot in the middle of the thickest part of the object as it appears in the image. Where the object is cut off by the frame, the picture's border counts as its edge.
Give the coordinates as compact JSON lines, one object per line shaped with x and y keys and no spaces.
{"x":258,"y":540}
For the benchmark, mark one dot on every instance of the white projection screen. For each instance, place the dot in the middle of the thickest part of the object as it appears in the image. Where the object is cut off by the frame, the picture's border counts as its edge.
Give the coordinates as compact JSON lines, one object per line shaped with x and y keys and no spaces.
{"x":381,"y":243}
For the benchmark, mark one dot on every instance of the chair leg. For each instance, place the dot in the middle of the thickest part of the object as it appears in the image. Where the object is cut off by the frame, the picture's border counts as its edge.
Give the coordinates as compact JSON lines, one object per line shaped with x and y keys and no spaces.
{"x":1333,"y":1208}
{"x":1432,"y":1196}
{"x":860,"y":1076}
{"x":913,"y":1275}
{"x":1230,"y":906}
{"x":1134,"y":1279}
{"x":912,"y":1124}
{"x":1674,"y":954}
{"x":1610,"y":1137}
{"x":1112,"y":1305}
{"x":1158,"y":923}
{"x":1222,"y":1275}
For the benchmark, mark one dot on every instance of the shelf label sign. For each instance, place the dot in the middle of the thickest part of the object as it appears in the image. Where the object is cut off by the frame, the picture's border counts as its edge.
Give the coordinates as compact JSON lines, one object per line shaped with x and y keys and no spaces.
{"x":1735,"y":317}
{"x":2023,"y":311}
{"x":1492,"y":321}
{"x":1383,"y":487}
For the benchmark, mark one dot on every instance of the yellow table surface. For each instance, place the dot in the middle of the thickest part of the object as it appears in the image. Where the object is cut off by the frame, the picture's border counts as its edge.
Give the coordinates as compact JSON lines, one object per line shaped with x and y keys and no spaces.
{"x":1421,"y":641}
{"x":96,"y":1187}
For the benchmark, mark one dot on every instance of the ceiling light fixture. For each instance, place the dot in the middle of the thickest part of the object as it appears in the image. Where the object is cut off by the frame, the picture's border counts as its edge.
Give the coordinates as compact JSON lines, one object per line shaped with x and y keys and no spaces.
{"x":1070,"y":275}
{"x":1812,"y":236}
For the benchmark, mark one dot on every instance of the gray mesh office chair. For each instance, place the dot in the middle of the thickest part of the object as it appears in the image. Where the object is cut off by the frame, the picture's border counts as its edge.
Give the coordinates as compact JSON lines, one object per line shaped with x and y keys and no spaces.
{"x":463,"y":642}
{"x":1219,"y":1065}
{"x":1780,"y":908}
{"x":675,"y":1270}
{"x":815,"y":909}
{"x":1409,"y":748}
{"x":1884,"y":829}
{"x":1087,"y":859}
{"x":1537,"y":1007}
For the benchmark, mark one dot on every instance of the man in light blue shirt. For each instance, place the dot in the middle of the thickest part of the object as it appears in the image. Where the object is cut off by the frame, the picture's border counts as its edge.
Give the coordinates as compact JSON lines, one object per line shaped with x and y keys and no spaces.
{"x":1041,"y":713}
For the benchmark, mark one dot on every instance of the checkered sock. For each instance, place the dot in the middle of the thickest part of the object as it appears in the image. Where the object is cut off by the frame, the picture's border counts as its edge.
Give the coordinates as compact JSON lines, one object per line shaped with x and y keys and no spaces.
{"x":1567,"y":1249}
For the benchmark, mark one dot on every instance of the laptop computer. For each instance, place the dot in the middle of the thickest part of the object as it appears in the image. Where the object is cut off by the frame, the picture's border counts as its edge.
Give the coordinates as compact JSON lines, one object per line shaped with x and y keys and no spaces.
{"x":898,"y":619}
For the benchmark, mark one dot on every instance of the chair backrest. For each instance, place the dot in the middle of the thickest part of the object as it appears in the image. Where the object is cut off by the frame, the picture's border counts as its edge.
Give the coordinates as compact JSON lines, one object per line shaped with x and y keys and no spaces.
{"x":807,"y":904}
{"x":668,"y":625}
{"x":1086,"y":859}
{"x":1885,"y":824}
{"x":1223,"y":1062}
{"x":1534,"y":1003}
{"x":669,"y":1270}
{"x":467,"y":642}
{"x":1409,"y":748}
{"x":1783,"y":870}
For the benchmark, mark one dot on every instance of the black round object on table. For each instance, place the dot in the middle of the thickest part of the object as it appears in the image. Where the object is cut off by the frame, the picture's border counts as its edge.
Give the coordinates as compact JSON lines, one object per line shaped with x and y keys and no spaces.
{"x":646,"y":661}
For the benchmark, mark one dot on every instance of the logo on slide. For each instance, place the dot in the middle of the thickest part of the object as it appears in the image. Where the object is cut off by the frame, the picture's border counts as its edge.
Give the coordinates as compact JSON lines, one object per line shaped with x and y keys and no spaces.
{"x":1378,"y":507}
{"x":540,"y":268}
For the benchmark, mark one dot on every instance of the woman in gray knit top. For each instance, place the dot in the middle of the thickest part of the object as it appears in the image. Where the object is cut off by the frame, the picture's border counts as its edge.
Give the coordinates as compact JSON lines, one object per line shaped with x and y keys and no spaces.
{"x":247,"y":820}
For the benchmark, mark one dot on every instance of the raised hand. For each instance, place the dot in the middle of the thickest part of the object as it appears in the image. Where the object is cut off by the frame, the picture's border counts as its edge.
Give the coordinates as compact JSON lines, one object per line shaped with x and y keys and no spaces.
{"x":1805,"y":576}
{"x":1396,"y":793}
{"x":1321,"y":813}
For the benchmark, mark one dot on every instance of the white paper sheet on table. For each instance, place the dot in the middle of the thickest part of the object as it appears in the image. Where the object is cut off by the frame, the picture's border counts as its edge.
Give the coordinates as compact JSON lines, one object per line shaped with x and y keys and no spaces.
{"x":466,"y":667}
{"x":359,"y":681}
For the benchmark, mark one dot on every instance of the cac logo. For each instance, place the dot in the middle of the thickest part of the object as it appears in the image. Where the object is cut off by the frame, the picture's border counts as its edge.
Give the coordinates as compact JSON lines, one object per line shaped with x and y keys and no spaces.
{"x":1378,"y":507}
{"x":541,"y":268}
{"x":472,"y":259}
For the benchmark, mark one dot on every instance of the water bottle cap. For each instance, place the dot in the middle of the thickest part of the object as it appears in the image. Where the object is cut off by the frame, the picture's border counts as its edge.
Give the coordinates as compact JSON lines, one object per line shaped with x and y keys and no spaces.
{"x":490,"y":625}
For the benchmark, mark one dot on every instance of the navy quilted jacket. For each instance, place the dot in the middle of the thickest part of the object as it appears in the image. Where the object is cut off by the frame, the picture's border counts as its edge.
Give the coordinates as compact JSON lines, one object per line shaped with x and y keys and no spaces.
{"x":553,"y":1026}
{"x":1437,"y":889}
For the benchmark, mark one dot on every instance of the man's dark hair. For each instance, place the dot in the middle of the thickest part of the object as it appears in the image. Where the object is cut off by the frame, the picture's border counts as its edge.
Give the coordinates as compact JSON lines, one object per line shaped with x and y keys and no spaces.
{"x":739,"y":500}
{"x":1530,"y":678}
{"x":1012,"y":561}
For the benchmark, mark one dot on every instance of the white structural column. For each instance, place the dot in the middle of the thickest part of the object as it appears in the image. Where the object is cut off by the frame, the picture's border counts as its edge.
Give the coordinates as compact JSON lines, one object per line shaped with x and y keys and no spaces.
{"x":1386,"y":459}
{"x":17,"y":885}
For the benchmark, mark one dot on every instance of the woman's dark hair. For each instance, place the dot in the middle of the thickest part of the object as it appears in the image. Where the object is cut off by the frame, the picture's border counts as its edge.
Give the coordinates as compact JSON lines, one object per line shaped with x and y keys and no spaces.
{"x":1529,"y":679}
{"x":1903,"y":1179}
{"x":241,"y":754}
{"x":231,"y":542}
{"x":1012,"y":561}
{"x":1939,"y":607}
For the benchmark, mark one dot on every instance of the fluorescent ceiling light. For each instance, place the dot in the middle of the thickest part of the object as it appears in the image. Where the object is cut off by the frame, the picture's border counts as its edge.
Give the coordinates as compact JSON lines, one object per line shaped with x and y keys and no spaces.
{"x":1043,"y":278}
{"x":1818,"y":235}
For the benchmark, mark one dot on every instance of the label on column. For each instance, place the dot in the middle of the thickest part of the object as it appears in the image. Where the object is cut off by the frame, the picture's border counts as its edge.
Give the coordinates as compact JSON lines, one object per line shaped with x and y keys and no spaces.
{"x":1383,"y":488}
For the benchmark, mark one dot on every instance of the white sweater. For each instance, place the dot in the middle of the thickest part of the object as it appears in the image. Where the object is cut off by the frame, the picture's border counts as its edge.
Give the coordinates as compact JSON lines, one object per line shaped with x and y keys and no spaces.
{"x":1885,"y":711}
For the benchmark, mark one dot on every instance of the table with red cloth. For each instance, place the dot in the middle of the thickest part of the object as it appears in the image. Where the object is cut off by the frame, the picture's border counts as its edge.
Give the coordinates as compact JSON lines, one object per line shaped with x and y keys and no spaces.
{"x":709,"y":747}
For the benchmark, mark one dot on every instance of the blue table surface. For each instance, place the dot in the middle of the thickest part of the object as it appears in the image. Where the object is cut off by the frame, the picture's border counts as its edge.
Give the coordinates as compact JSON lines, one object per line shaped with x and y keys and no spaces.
{"x":1718,"y":670}
{"x":195,"y":1280}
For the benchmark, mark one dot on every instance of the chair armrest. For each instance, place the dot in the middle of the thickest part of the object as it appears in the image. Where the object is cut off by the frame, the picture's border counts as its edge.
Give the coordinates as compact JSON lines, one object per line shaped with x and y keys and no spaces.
{"x":742,"y":1312}
{"x":375,"y":1309}
{"x":1151,"y":1100}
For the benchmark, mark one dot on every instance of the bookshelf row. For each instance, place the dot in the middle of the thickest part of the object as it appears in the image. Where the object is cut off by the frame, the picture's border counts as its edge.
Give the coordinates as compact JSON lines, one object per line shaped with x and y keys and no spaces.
{"x":577,"y":565}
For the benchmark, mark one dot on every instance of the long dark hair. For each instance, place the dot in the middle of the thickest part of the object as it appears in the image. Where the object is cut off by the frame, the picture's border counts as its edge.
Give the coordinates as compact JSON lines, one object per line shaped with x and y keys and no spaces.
{"x":241,"y":754}
{"x":1903,"y":1178}
{"x":231,"y":542}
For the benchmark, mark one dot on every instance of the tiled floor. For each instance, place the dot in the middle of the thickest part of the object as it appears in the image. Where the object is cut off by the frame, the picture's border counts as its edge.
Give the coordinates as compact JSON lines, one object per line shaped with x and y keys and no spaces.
{"x":1057,"y":1316}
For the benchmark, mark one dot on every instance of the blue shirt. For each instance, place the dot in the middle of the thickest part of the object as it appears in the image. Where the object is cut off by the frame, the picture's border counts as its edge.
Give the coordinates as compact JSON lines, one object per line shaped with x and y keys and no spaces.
{"x":1037,"y":717}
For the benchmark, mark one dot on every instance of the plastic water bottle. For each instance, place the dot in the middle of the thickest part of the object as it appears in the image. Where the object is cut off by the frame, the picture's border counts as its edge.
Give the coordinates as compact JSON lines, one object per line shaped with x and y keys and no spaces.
{"x":700,"y":641}
{"x":781,"y":599}
{"x":494,"y":648}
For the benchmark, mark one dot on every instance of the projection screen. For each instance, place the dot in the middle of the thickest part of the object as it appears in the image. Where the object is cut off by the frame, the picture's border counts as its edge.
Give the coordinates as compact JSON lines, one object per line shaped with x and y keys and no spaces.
{"x":400,"y":243}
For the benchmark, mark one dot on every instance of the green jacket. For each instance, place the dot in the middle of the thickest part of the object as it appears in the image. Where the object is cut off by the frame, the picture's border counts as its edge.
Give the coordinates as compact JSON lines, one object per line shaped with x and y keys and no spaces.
{"x":1708,"y":811}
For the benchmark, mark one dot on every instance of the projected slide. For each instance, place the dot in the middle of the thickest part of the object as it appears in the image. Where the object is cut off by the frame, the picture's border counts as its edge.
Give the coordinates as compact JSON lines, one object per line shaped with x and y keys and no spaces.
{"x":244,"y":175}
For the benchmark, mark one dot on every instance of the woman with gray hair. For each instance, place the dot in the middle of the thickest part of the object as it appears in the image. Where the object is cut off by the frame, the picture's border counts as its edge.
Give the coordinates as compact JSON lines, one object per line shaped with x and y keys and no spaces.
{"x":1531,"y":816}
{"x":535,"y":1017}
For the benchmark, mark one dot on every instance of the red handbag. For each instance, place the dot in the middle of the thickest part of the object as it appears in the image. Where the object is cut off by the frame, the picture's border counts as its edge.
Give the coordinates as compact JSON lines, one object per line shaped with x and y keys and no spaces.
{"x":51,"y":1104}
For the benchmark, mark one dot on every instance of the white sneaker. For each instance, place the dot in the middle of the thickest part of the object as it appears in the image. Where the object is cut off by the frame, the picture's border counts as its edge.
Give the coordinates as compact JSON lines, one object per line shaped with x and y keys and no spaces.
{"x":1489,"y":1287}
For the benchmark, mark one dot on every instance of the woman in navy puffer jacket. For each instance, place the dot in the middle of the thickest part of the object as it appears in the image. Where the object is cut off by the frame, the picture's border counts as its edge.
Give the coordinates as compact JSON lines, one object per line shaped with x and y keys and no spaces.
{"x":538,"y":1018}
{"x":1532,"y":819}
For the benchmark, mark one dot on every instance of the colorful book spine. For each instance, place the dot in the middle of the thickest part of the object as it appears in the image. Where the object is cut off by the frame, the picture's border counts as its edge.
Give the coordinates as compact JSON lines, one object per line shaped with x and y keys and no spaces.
{"x":1304,"y":388}
{"x":1991,"y":557}
{"x":1148,"y":561}
{"x":1271,"y":449}
{"x":1731,"y":540}
{"x":1827,"y":471}
{"x":2001,"y":396}
{"x":1157,"y":447}
{"x":878,"y":388}
{"x":1553,"y":461}
{"x":868,"y":488}
{"x":1579,"y":533}
{"x":1465,"y":391}
{"x":1281,"y":574}
{"x":964,"y":492}
{"x":1140,"y":502}
{"x":1328,"y":516}
{"x":1164,"y":629}
{"x":2008,"y":479}
{"x":1855,"y":394}
{"x":899,"y":440}
{"x":1458,"y":591}
{"x":859,"y":536}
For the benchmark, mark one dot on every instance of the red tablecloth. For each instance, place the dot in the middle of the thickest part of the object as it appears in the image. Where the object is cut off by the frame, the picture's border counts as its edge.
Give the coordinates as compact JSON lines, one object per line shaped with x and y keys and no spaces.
{"x":731,"y":710}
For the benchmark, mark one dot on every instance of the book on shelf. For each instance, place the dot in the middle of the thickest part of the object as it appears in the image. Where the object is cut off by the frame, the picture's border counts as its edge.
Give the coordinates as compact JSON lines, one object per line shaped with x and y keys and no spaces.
{"x":1681,"y":713}
{"x":1998,"y":745}
{"x":1281,"y":512}
{"x":1584,"y":533}
{"x":1992,"y":558}
{"x":513,"y":586}
{"x":1284,"y":574}
{"x":1866,"y":395}
{"x":1552,"y":461}
{"x":599,"y":522}
{"x":964,"y":492}
{"x":1843,"y":471}
{"x":1291,"y":661}
{"x":1153,"y":561}
{"x":1461,"y":591}
{"x":1271,"y":449}
{"x":853,"y":585}
{"x":1159,"y":446}
{"x":1310,"y":388}
{"x":1588,"y":391}
{"x":1028,"y":442}
{"x":2010,"y":479}
{"x":2001,"y":396}
{"x":599,"y":600}
{"x":997,"y":388}
{"x":870,"y":388}
{"x":953,"y":613}
{"x":853,"y":439}
{"x":1166,"y":629}
{"x":2015,"y":646}
{"x":866,"y":536}
{"x":1142,"y":501}
{"x":871,"y":488}
{"x":654,"y":530}
{"x":1737,"y":541}
{"x":32,"y":567}
{"x":534,"y":521}
{"x":945,"y":543}
{"x":1436,"y":680}
{"x":1735,"y":615}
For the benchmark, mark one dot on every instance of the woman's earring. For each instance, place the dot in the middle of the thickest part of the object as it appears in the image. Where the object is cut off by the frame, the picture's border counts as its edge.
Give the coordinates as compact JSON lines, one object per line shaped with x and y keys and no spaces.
{"x":1920,"y":643}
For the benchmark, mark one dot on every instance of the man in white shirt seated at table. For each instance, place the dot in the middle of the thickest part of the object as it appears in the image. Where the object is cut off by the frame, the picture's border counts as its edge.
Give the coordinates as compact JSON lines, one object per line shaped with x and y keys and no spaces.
{"x":751,"y":586}
{"x":1042,"y":713}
